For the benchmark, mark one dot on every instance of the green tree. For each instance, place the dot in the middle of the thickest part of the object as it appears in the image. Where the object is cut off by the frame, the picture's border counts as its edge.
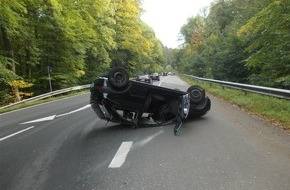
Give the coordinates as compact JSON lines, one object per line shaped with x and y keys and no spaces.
{"x":212,"y":48}
{"x":79,"y":40}
{"x":97,"y":61}
{"x":131,"y":46}
{"x":11,"y":24}
{"x":154,"y":60}
{"x":193,"y":33}
{"x":267,"y":36}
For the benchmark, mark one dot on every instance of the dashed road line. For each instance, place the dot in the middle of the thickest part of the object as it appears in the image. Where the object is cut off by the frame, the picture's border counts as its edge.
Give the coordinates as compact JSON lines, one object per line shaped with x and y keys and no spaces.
{"x":121,"y":155}
{"x":49,"y":118}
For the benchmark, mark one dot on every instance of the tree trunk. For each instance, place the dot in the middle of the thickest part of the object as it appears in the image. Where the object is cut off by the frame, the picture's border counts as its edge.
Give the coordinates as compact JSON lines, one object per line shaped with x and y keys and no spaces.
{"x":10,"y":54}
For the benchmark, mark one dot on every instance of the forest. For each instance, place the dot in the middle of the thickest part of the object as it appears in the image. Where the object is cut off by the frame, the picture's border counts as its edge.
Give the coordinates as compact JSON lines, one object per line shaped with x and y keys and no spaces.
{"x":244,"y":41}
{"x":75,"y":41}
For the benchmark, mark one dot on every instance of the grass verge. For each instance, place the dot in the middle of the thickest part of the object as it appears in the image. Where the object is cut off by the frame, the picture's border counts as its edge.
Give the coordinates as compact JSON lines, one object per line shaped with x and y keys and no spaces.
{"x":28,"y":104}
{"x":273,"y":110}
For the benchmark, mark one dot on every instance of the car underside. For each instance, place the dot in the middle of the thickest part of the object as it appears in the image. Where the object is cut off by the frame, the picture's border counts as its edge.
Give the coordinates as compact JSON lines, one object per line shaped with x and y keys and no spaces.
{"x":117,"y":99}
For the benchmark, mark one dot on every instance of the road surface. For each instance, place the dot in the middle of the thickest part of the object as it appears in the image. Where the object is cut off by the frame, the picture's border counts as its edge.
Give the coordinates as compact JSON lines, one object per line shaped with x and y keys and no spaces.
{"x":63,"y":145}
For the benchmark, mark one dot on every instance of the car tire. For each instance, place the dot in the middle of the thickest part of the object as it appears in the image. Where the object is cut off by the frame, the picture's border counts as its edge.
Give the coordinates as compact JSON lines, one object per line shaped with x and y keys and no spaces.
{"x":118,"y":78}
{"x":195,"y":112}
{"x":196,"y":93}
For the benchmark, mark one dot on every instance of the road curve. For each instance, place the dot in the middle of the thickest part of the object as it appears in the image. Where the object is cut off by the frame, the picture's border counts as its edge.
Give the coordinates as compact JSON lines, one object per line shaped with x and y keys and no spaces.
{"x":63,"y":145}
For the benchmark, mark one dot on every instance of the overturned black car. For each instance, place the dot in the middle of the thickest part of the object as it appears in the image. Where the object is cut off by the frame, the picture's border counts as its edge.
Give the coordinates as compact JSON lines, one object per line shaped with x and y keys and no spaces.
{"x":116,"y":98}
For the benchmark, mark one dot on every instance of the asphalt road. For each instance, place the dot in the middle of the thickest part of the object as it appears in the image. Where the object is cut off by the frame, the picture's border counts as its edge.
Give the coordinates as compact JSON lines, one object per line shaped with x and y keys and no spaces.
{"x":63,"y":145}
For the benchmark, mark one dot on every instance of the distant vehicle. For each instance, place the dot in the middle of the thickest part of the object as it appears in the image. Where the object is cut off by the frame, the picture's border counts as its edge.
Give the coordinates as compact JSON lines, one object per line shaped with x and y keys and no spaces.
{"x":155,"y":76}
{"x":117,"y":99}
{"x":164,"y":74}
{"x":144,"y":78}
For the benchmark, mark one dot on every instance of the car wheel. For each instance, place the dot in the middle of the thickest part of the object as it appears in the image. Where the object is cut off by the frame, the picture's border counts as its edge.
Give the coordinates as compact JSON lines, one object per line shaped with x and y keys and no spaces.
{"x":118,"y":77}
{"x":195,"y":112}
{"x":196,"y":93}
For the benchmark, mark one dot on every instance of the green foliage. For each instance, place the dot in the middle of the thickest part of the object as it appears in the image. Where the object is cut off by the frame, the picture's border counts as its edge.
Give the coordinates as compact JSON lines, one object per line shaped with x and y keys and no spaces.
{"x":239,"y":41}
{"x":193,"y":32}
{"x":132,"y":46}
{"x":137,"y":48}
{"x":79,"y":40}
{"x":267,"y":35}
{"x":6,"y":74}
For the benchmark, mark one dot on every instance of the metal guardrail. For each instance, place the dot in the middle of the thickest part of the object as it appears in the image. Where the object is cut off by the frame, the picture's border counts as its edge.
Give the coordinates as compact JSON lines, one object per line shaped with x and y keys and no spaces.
{"x":47,"y":95}
{"x":275,"y":92}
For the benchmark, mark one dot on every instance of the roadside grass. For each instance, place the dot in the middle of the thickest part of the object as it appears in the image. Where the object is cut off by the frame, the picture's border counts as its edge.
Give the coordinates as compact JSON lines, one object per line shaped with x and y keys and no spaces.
{"x":53,"y":98}
{"x":273,"y":110}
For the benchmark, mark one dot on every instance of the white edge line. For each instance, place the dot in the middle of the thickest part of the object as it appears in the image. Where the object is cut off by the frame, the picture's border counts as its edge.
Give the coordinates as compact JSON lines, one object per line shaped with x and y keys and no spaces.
{"x":161,"y":82}
{"x":49,"y":118}
{"x":42,"y":104}
{"x":121,"y":155}
{"x":4,"y":138}
{"x":80,"y":109}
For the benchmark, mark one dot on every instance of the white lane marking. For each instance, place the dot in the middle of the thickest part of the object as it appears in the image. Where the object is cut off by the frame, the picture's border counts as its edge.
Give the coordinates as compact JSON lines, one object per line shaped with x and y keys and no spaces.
{"x":2,"y":139}
{"x":121,"y":155}
{"x":41,"y":119}
{"x":82,"y":108}
{"x":54,"y":116}
{"x":40,"y":104}
{"x":161,"y":82}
